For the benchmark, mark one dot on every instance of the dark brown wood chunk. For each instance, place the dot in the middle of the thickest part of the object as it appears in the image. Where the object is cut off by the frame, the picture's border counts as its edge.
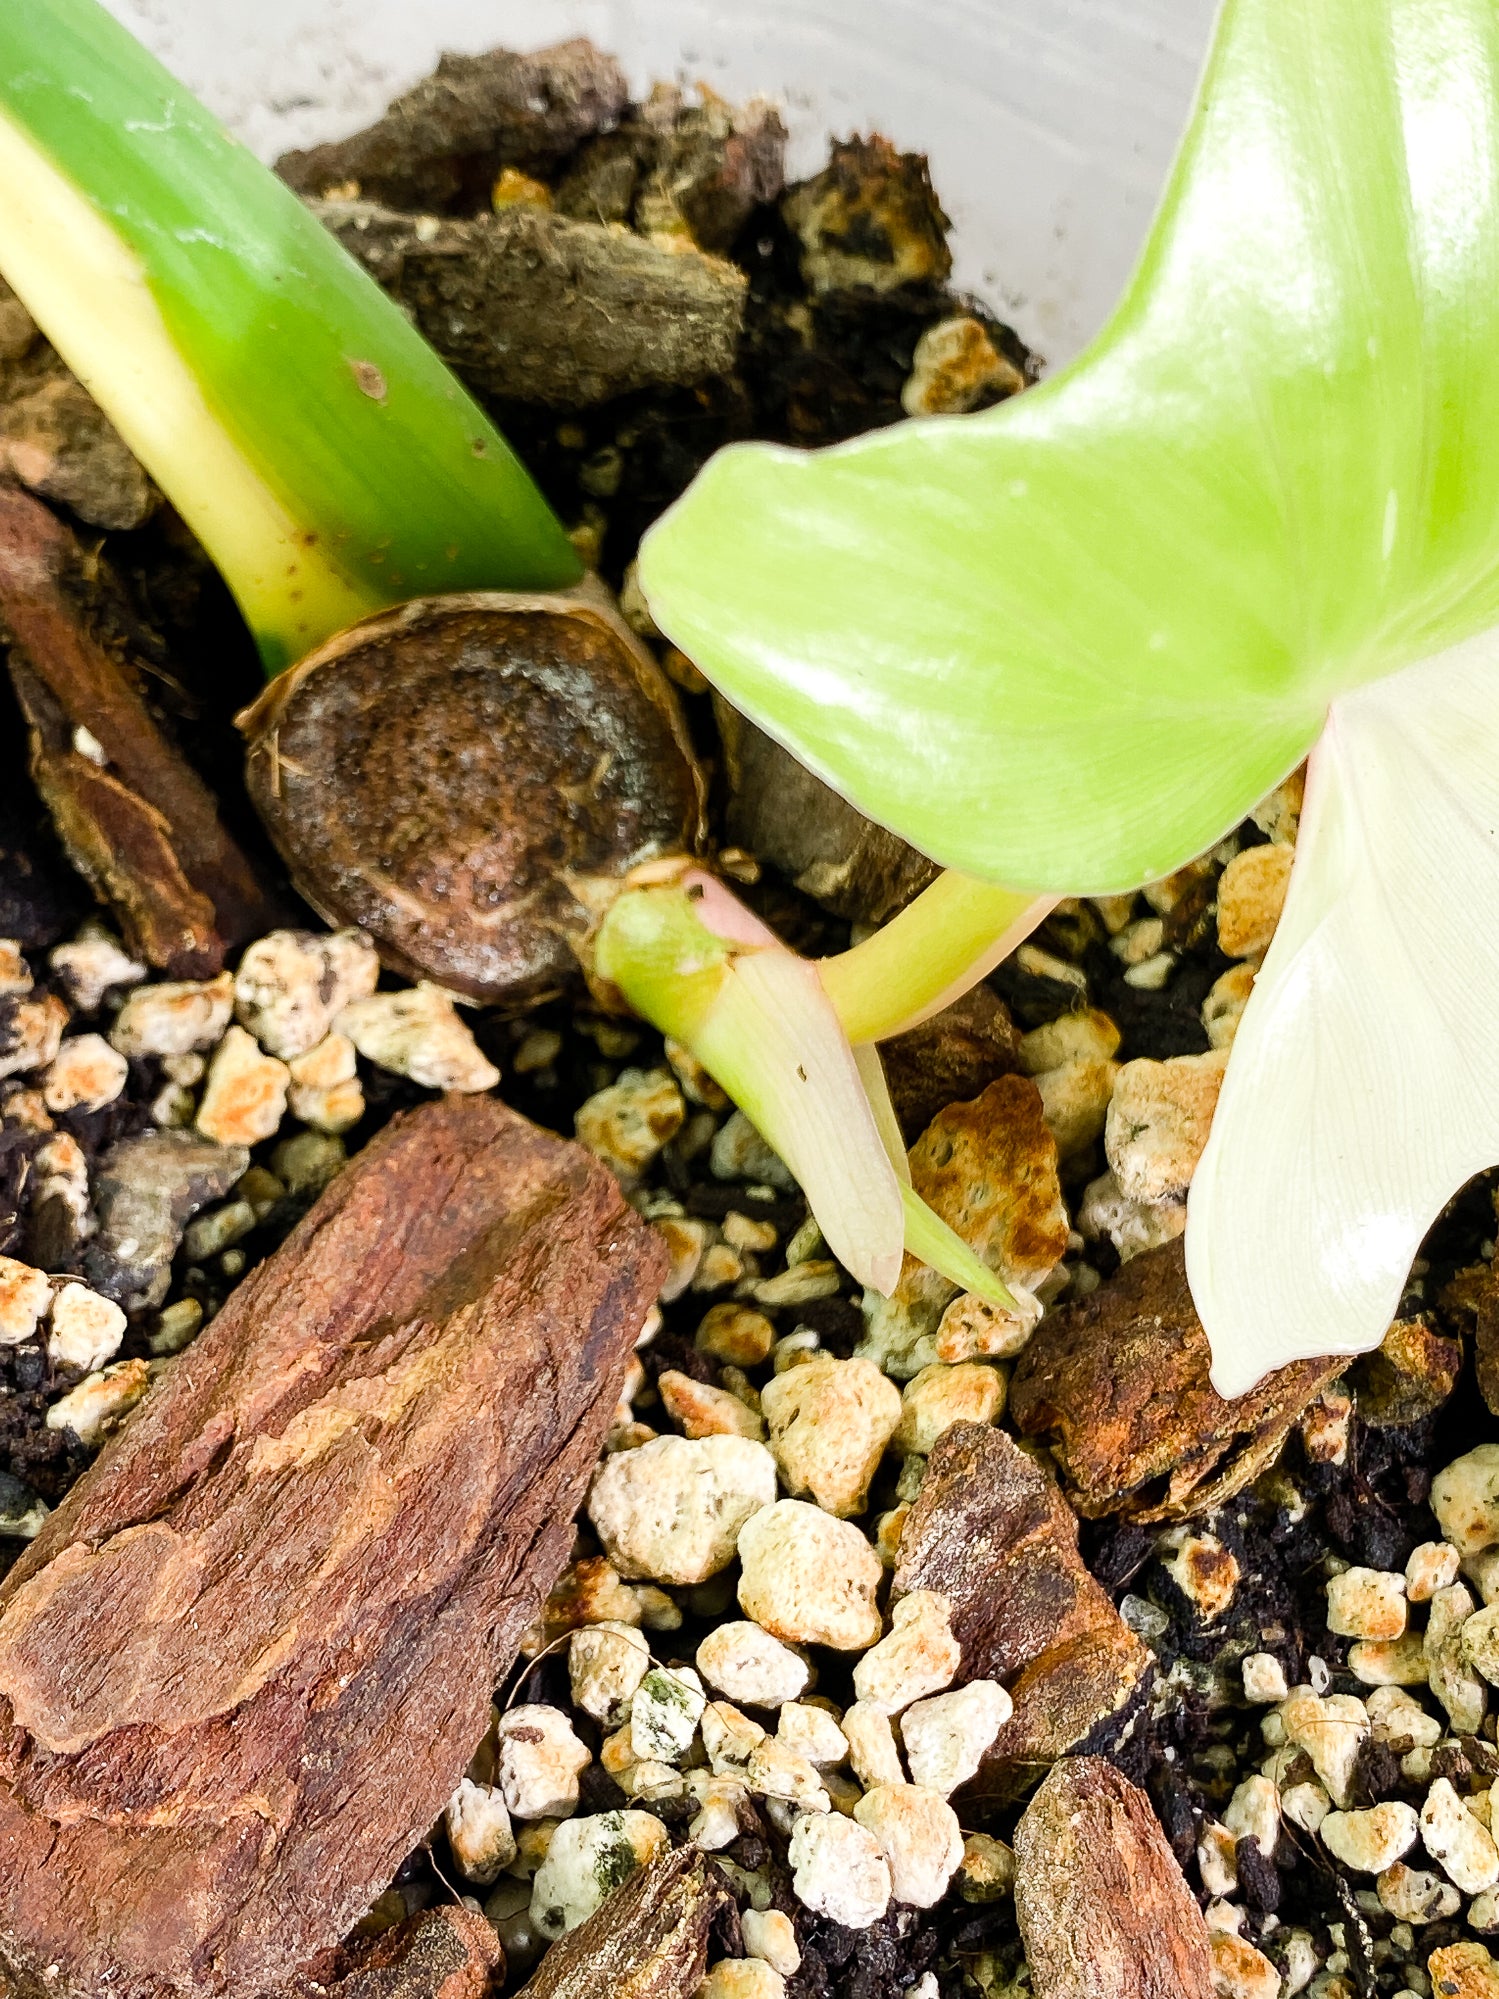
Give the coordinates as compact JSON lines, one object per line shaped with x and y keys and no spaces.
{"x":448,"y":135}
{"x":1103,"y":1907}
{"x":648,"y":1941}
{"x":1118,"y":1386}
{"x":991,"y":1532}
{"x":791,"y":819}
{"x":950,"y":1058}
{"x":489,"y":292}
{"x":245,"y":1663}
{"x":135,"y":818}
{"x":448,"y":1953}
{"x":447,"y":774}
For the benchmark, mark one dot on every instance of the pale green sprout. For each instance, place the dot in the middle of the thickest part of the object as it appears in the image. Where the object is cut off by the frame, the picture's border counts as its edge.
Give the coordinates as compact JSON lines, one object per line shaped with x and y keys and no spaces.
{"x":333,"y":467}
{"x":1069,"y":643}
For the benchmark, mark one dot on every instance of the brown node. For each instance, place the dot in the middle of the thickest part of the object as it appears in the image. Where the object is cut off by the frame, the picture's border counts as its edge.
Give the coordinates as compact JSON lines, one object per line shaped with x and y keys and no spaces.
{"x":453,"y":775}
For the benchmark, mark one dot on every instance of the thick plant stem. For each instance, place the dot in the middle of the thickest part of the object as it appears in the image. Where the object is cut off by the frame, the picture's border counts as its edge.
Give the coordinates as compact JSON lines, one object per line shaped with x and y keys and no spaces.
{"x":940,"y":945}
{"x":325,"y":457}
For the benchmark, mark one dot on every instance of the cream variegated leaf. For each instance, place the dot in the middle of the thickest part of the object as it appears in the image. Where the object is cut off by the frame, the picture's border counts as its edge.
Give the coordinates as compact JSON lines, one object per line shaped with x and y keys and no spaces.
{"x":1363,"y":1087}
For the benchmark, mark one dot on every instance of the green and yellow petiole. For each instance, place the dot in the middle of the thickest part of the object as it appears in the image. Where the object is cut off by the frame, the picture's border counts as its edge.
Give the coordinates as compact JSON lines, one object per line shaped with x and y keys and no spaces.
{"x":323,"y":454}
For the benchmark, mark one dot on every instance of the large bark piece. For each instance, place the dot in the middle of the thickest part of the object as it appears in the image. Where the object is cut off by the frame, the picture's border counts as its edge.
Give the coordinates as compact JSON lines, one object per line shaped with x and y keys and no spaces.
{"x":136,"y":819}
{"x":1103,"y":1907}
{"x":527,"y":304}
{"x":246,"y":1662}
{"x":648,"y":1941}
{"x":1118,"y":1386}
{"x":448,"y":135}
{"x":991,"y":1532}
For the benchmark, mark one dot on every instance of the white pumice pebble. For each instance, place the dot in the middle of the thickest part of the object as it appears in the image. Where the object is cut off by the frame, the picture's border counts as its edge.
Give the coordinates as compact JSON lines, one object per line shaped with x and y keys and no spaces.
{"x":1411,"y":1895}
{"x":1216,"y":1858}
{"x":586,"y":1859}
{"x":1432,"y":1566}
{"x":807,"y":1578}
{"x":1331,"y":1730}
{"x":100,"y":1401}
{"x":716,"y":1823}
{"x":92,"y":964}
{"x":946,"y":1737}
{"x":84,"y":1330}
{"x":1401,"y":1723}
{"x":1264,"y":1678}
{"x":839,"y":1870}
{"x":538,"y":1760}
{"x":674,"y":1510}
{"x":1251,"y":893}
{"x":244,"y":1099}
{"x":1460,"y":1845}
{"x":1465,"y":1500}
{"x":747,"y":1664}
{"x":627,"y":1123}
{"x":735,"y":1333}
{"x":871,"y":1745}
{"x":829,"y":1423}
{"x":174,"y":1016}
{"x":1479,"y":1642}
{"x":479,"y":1833}
{"x":1390,"y":1662}
{"x":778,"y":1772}
{"x":1459,"y":1689}
{"x":1224,"y":1006}
{"x":770,"y":1935}
{"x":605,"y":1664}
{"x":325,"y":1089}
{"x":291,"y":986}
{"x":84,"y":1075}
{"x":701,"y":1410}
{"x":1239,"y":1970}
{"x":418,"y":1034}
{"x":60,"y":1173}
{"x":1370,"y":1841}
{"x":812,"y":1732}
{"x":939,"y":1396}
{"x":652,"y":1783}
{"x":1366,"y":1603}
{"x":1203,"y":1569}
{"x":803,"y":1284}
{"x":729,"y":1738}
{"x":918,"y":1656}
{"x":1254,"y":1813}
{"x":34,"y":1029}
{"x":1158,"y":1123}
{"x":742,"y":1978}
{"x":920,"y":1837}
{"x":25,"y":1295}
{"x":664,"y":1714}
{"x":1305,"y":1804}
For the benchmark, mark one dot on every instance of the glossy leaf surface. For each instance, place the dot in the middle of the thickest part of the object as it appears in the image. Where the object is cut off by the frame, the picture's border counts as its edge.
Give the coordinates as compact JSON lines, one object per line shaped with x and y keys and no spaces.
{"x":1067,"y":643}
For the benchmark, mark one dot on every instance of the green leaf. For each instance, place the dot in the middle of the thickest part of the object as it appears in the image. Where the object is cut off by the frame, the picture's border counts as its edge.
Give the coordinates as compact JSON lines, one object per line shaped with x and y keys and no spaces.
{"x":328,"y":460}
{"x":1067,"y":643}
